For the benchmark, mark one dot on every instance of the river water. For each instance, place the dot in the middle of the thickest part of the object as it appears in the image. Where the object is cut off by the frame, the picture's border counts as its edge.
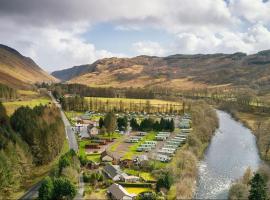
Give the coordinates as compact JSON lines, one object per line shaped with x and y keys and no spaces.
{"x":231,"y":151}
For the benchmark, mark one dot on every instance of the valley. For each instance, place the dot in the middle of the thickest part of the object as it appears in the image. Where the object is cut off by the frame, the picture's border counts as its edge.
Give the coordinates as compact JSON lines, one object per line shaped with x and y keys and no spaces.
{"x":154,"y":128}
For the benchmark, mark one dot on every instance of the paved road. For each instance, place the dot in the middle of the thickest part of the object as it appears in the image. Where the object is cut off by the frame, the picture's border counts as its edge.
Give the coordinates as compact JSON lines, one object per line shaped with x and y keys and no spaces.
{"x":32,"y":193}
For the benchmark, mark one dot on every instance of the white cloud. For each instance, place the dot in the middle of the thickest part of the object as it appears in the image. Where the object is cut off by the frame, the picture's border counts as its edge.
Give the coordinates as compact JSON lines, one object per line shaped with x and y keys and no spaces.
{"x":52,"y":31}
{"x":251,"y":10}
{"x":149,"y":48}
{"x":53,"y":48}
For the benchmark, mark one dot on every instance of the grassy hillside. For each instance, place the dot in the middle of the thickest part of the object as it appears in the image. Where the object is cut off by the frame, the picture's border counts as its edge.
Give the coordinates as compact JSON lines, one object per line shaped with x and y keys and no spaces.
{"x":19,"y":71}
{"x":175,"y":72}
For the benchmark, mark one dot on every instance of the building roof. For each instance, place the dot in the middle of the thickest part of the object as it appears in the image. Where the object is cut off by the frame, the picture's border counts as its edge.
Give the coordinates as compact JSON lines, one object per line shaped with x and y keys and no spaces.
{"x":112,"y":170}
{"x":106,"y":153}
{"x":119,"y":192}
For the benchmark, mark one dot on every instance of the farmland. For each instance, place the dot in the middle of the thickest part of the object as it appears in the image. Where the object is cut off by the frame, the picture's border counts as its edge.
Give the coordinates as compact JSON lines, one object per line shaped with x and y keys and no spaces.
{"x":27,"y":98}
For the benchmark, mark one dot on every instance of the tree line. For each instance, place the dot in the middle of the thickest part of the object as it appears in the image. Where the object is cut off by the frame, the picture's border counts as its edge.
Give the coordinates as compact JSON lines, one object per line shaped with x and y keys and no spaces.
{"x":82,"y":104}
{"x":86,"y":91}
{"x":149,"y":124}
{"x":7,"y":93}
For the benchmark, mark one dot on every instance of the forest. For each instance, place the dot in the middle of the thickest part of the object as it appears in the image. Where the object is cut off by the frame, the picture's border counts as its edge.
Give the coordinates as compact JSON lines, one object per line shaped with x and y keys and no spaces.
{"x":28,"y":139}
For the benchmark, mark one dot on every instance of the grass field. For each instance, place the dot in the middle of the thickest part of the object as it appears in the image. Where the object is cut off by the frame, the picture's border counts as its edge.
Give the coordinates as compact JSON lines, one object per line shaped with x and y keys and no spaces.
{"x":127,"y":100}
{"x":13,"y":105}
{"x":27,"y":92}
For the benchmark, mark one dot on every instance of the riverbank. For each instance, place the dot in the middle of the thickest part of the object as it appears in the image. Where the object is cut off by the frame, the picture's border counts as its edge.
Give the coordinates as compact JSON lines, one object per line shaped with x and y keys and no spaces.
{"x":258,"y":123}
{"x":232,"y":150}
{"x":184,"y":167}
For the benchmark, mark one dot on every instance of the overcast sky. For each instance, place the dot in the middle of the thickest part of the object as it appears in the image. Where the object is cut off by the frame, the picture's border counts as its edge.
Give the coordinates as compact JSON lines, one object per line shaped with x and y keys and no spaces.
{"x":59,"y":34}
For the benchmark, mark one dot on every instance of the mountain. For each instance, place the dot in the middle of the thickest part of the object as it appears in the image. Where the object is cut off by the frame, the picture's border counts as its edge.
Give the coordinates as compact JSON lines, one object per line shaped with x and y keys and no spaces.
{"x":68,"y":74}
{"x":176,"y":71}
{"x":19,"y":71}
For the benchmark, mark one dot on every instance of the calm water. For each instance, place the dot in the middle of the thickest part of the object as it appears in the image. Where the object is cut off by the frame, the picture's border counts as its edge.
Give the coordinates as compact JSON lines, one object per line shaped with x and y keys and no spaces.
{"x":231,"y":151}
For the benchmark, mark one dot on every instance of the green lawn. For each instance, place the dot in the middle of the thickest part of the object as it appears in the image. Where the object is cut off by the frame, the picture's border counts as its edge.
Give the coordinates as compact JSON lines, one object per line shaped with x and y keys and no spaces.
{"x":82,"y":144}
{"x":146,"y":176}
{"x":132,"y":151}
{"x":136,"y":190}
{"x":11,"y":106}
{"x":95,"y":157}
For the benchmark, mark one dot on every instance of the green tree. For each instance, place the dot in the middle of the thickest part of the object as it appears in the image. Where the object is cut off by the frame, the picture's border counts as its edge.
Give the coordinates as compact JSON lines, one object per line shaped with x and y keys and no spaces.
{"x":101,"y":122}
{"x":45,"y":191}
{"x":122,"y":123}
{"x":134,"y":124}
{"x":110,"y":122}
{"x":63,"y":188}
{"x":257,"y":188}
{"x":165,"y":181}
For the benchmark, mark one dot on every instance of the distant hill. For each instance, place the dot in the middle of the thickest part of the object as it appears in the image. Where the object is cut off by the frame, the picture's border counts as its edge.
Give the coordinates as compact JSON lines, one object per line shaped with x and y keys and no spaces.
{"x":19,"y":71}
{"x":176,"y":71}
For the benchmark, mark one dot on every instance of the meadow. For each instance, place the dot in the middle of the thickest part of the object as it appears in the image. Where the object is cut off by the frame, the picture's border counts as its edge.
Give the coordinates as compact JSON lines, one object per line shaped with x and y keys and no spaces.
{"x":11,"y":106}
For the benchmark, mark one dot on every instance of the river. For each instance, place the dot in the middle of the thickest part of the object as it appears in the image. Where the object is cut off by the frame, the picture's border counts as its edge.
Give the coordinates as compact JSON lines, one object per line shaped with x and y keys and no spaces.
{"x":231,"y":151}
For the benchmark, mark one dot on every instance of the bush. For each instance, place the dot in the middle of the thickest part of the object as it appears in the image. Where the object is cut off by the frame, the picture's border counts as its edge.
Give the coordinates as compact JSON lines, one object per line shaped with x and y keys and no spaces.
{"x":238,"y":191}
{"x":57,"y":188}
{"x":142,"y":185}
{"x":45,"y":191}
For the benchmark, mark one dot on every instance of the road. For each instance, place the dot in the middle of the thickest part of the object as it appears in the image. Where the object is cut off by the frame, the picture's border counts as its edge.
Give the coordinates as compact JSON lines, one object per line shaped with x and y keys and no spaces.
{"x":70,"y":133}
{"x":32,"y":193}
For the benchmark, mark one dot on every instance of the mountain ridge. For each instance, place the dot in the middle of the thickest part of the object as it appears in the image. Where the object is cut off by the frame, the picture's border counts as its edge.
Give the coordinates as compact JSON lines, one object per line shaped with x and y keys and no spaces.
{"x":19,"y":71}
{"x":175,"y":71}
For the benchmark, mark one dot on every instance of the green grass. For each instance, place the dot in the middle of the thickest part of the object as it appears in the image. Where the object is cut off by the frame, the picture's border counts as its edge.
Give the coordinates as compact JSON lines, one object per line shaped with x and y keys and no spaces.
{"x":82,"y":144}
{"x":132,"y":151}
{"x":95,"y":157}
{"x":110,"y":136}
{"x":11,"y":106}
{"x":146,"y":176}
{"x":136,"y":190}
{"x":127,"y":100}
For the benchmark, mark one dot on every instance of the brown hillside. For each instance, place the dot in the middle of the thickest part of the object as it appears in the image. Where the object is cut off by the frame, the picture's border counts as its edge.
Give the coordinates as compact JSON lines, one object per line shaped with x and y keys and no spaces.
{"x":17,"y":70}
{"x":176,"y":71}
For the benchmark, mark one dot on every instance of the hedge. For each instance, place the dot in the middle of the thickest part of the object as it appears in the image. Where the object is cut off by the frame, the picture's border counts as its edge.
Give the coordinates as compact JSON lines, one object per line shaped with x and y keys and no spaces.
{"x":142,"y":185}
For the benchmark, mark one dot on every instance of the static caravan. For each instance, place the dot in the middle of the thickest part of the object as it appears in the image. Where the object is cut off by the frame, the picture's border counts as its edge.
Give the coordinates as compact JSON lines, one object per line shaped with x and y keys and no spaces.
{"x":178,"y":139}
{"x":132,"y":140}
{"x":174,"y":143}
{"x":170,"y":146}
{"x":142,"y":133}
{"x":161,"y":138}
{"x":166,"y":152}
{"x":162,"y":158}
{"x":148,"y":145}
{"x":169,"y":149}
{"x":143,"y":148}
{"x":151,"y":142}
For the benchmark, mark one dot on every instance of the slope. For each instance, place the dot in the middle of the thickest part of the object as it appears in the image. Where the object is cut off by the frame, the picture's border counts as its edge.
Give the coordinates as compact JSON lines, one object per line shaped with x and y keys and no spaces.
{"x":176,"y":71}
{"x":19,"y":71}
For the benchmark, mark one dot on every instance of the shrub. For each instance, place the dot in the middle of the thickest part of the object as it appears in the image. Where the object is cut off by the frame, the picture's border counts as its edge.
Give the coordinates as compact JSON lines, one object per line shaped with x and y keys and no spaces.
{"x":238,"y":191}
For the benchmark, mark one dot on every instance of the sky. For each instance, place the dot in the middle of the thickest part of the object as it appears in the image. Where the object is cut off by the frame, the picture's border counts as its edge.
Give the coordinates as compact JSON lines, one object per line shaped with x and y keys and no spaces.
{"x":60,"y":34}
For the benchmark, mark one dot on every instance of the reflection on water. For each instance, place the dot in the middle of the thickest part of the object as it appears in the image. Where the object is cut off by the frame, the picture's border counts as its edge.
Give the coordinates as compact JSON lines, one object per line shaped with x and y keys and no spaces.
{"x":231,"y":151}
